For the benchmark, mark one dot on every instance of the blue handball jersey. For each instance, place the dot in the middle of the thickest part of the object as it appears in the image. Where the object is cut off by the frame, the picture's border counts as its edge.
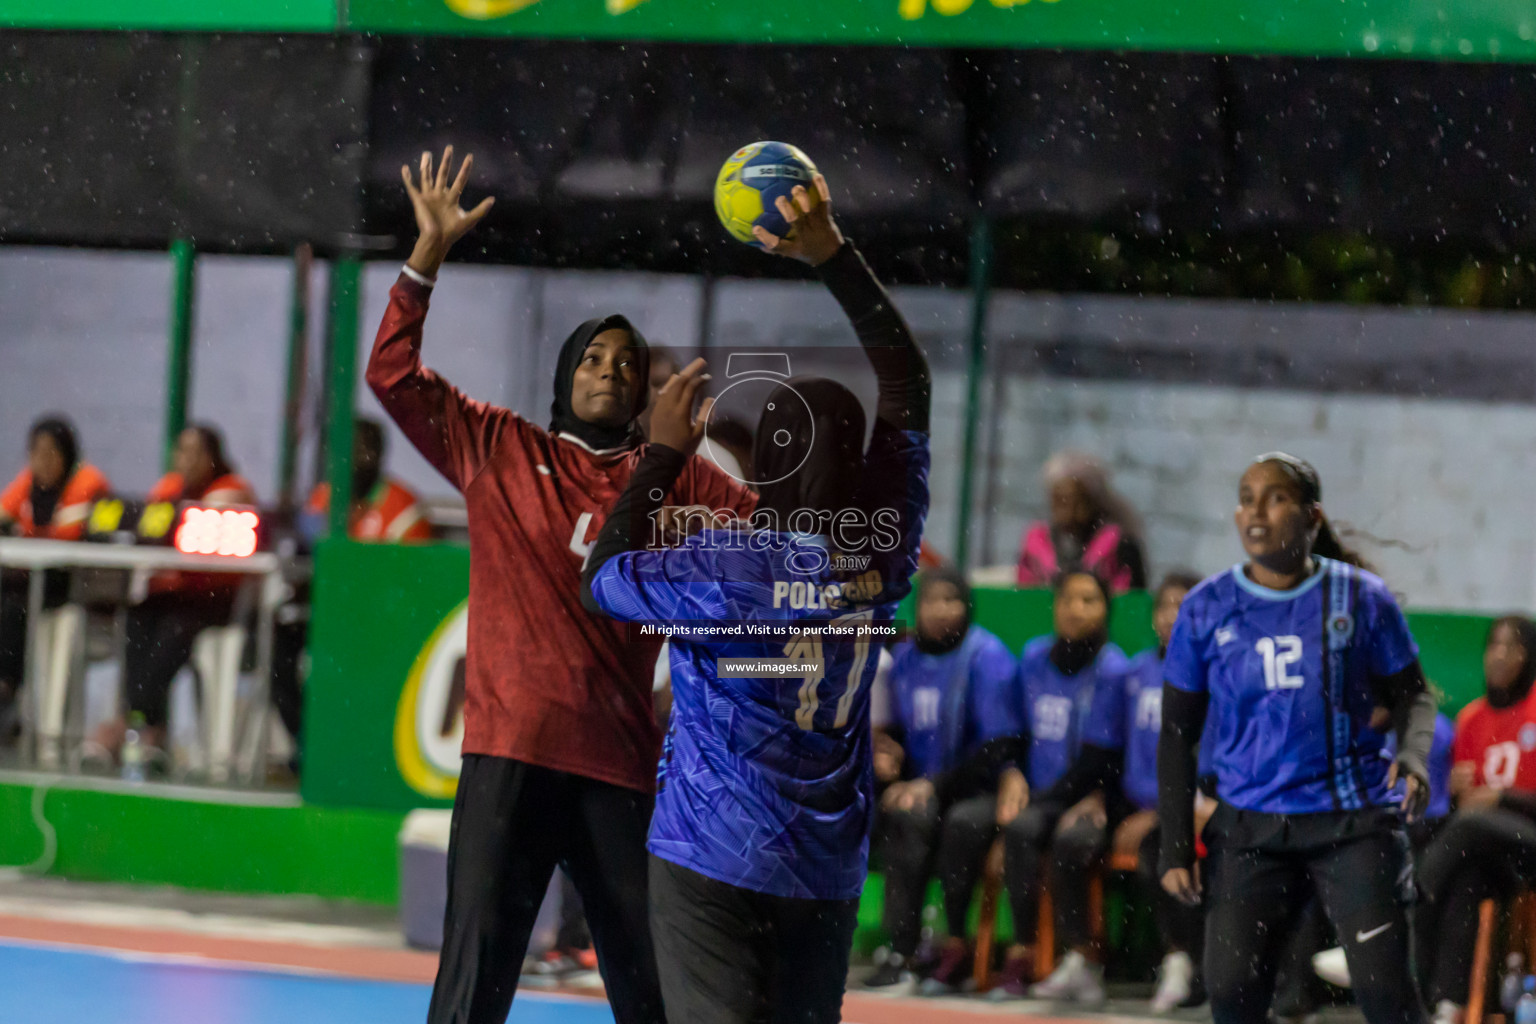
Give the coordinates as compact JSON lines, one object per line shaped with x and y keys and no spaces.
{"x":1289,"y":676}
{"x":1138,"y":706}
{"x":1143,"y":724}
{"x":766,"y":783}
{"x":949,"y":704}
{"x":1063,"y":712}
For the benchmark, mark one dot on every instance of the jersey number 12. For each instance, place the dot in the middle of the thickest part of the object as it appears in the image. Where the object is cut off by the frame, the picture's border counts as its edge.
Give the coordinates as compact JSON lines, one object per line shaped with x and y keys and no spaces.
{"x":1280,"y":654}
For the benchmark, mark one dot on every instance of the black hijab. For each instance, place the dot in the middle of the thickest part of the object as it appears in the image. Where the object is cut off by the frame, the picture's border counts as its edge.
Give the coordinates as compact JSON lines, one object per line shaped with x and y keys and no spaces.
{"x":955,"y":578}
{"x":1072,"y":656}
{"x":45,"y":500}
{"x":563,"y":420}
{"x":1515,"y":693}
{"x":808,"y":450}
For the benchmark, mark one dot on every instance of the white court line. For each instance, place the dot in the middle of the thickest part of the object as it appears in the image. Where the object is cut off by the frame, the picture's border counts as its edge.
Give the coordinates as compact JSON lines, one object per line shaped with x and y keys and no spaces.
{"x":121,"y":915}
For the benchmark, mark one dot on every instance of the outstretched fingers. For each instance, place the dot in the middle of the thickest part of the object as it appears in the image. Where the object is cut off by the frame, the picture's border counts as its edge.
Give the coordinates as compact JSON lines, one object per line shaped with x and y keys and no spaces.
{"x":462,"y":178}
{"x":770,"y":241}
{"x":822,"y":189}
{"x":410,"y":183}
{"x":480,"y":210}
{"x":442,"y":169}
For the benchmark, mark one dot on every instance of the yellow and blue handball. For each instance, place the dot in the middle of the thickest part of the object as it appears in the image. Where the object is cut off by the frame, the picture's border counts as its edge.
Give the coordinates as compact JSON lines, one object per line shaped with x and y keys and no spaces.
{"x":750,"y":183}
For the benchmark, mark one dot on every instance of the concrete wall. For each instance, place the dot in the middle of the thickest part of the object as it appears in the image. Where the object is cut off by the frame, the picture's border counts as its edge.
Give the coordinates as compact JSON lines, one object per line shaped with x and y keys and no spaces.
{"x":1418,"y":420}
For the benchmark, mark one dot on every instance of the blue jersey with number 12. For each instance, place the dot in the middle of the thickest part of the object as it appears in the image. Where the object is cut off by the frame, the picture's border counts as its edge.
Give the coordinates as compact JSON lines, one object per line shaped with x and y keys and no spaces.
{"x":766,"y":783}
{"x":1289,"y":674}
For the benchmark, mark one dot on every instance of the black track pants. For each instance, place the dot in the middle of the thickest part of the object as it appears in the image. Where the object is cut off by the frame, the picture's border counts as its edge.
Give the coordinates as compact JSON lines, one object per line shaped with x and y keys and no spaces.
{"x":512,"y":824}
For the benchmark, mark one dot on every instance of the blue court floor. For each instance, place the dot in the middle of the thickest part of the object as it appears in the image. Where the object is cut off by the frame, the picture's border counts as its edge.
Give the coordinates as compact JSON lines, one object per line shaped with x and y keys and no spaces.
{"x":44,"y":985}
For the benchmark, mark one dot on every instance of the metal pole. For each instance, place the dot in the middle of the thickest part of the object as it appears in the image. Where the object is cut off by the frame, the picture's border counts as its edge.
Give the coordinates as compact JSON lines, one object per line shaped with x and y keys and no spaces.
{"x":293,"y":398}
{"x":178,"y":370}
{"x":341,"y":381}
{"x":981,"y":284}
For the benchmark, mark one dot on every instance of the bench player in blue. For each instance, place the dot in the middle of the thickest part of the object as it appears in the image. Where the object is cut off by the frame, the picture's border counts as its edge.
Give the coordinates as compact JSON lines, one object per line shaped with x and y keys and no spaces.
{"x":1298,"y":662}
{"x":759,"y":844}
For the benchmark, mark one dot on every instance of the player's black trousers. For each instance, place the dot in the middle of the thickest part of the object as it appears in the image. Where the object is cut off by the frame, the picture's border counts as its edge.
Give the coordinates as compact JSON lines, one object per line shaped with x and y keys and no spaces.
{"x":734,"y":956}
{"x":906,"y":843}
{"x":512,"y":824}
{"x":1180,"y":927}
{"x":1261,"y":869}
{"x":1477,"y":855}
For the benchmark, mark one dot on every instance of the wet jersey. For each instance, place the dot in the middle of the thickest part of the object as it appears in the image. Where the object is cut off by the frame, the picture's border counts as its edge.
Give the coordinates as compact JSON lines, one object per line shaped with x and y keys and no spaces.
{"x":1499,"y":743}
{"x":546,"y":681}
{"x":1063,"y":712}
{"x":766,"y":782}
{"x":1289,"y":674}
{"x":949,"y":704}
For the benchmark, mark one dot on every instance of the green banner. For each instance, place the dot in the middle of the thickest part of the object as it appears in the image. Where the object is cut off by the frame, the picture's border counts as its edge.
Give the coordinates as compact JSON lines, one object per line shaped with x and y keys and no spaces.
{"x":385,"y":696}
{"x":384,"y":699}
{"x":1501,"y":30}
{"x":1471,"y":29}
{"x":172,"y":15}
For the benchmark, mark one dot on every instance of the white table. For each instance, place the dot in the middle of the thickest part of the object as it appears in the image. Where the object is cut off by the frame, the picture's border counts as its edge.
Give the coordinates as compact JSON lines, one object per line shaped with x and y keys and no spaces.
{"x":38,"y":555}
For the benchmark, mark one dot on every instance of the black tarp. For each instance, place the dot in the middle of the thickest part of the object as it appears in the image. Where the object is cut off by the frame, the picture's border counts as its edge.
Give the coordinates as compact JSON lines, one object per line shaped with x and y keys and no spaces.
{"x":244,"y":142}
{"x":604,"y":154}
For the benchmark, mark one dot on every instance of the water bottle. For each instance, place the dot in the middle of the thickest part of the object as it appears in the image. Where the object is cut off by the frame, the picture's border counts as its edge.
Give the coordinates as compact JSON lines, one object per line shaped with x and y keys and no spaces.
{"x":1513,"y":984}
{"x":133,"y":752}
{"x":1525,"y":1009}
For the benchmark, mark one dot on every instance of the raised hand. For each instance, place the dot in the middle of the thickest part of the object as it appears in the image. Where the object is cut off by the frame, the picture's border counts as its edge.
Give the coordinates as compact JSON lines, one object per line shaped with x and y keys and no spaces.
{"x":440,"y":220}
{"x":673,"y":422}
{"x":813,"y":235}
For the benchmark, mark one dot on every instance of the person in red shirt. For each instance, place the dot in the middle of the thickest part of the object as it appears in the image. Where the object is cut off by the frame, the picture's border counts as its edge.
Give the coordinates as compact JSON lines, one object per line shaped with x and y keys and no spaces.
{"x":560,"y":746}
{"x":50,"y":498}
{"x":382,"y":509}
{"x":1488,"y":847}
{"x":162,"y":627}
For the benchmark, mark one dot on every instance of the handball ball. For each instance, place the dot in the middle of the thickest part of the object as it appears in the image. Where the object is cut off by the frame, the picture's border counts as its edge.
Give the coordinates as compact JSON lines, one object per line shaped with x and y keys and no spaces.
{"x":750,"y":182}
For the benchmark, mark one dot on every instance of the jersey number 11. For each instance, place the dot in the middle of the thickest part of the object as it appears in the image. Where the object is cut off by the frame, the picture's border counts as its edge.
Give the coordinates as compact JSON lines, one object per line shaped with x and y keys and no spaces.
{"x":808,"y":648}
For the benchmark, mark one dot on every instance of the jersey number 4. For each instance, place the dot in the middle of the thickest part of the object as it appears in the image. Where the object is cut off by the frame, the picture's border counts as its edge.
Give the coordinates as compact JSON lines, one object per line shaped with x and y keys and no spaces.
{"x":808,"y":648}
{"x":1280,"y":654}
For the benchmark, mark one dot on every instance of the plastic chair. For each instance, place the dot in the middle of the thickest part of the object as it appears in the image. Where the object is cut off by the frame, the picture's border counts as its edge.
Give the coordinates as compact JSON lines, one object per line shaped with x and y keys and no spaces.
{"x":1045,"y":926}
{"x":60,"y":652}
{"x":216,"y":656}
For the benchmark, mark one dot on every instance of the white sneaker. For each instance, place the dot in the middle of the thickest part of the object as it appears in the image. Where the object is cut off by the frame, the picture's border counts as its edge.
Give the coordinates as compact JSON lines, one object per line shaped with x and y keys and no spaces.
{"x":1332,"y":967}
{"x":1447,"y":1012}
{"x":1175,"y":980}
{"x":1074,"y":979}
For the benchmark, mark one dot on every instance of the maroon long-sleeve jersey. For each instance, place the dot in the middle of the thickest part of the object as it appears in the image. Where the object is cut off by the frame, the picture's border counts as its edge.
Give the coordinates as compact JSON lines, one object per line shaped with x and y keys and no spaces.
{"x":546,"y":682}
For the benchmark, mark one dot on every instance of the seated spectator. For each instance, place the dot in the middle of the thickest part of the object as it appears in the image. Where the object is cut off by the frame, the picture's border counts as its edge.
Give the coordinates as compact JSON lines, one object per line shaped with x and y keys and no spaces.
{"x":1180,"y":927}
{"x":949,"y":689}
{"x":1053,"y":698}
{"x":50,"y":498}
{"x":162,"y":627}
{"x":1487,"y":848}
{"x":1091,"y":527}
{"x":381,"y":509}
